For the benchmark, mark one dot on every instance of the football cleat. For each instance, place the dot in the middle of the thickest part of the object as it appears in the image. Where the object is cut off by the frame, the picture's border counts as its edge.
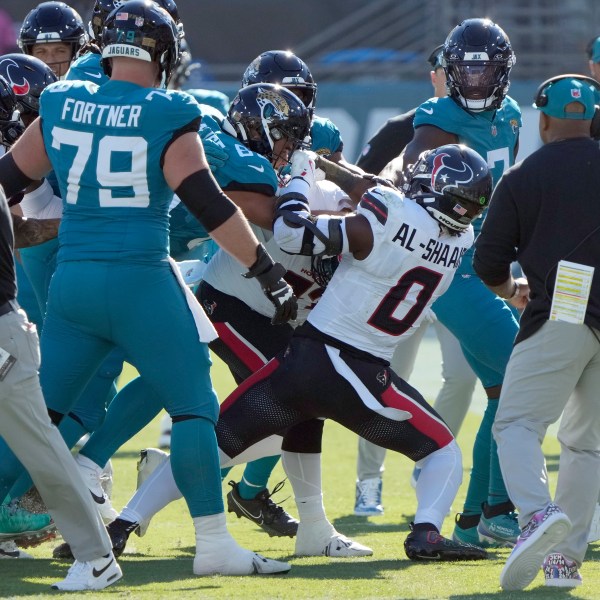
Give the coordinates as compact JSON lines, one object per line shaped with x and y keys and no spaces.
{"x":262,"y":511}
{"x":545,"y":529}
{"x":119,"y":531}
{"x":93,"y":575}
{"x":368,"y":498}
{"x":238,"y":561}
{"x":23,"y":527}
{"x":498,"y":529}
{"x":150,"y":459}
{"x":219,"y":554}
{"x":430,"y":545}
{"x":92,"y":475}
{"x":9,"y":549}
{"x":323,"y":540}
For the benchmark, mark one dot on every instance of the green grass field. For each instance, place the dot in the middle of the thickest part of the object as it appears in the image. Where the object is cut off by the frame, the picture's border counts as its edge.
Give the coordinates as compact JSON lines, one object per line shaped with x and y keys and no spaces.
{"x":159,"y":565}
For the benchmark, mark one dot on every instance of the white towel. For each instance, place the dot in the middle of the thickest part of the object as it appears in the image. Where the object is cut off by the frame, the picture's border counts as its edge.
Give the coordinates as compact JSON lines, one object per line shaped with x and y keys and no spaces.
{"x":206,"y":331}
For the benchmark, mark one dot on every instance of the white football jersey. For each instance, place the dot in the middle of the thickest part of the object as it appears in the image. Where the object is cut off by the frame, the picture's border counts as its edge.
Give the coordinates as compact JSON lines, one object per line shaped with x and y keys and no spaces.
{"x":224,"y":273}
{"x":373,"y":304}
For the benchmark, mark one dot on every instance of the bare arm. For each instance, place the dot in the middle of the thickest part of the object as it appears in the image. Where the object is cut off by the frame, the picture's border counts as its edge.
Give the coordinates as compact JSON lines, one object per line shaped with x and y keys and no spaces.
{"x":31,"y":232}
{"x":426,"y":137}
{"x":29,"y":152}
{"x":257,"y":208}
{"x":514,"y":291}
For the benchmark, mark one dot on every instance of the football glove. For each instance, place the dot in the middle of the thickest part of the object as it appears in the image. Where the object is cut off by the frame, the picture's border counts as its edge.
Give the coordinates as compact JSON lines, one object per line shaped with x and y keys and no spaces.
{"x":270,"y":276}
{"x":304,"y":167}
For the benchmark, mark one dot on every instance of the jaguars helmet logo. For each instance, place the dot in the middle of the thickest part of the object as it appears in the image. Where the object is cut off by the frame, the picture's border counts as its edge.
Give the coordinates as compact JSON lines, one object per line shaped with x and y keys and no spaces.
{"x":272,"y":105}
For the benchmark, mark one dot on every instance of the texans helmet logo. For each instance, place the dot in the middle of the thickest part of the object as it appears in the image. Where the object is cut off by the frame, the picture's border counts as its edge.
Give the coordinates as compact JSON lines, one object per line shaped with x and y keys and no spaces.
{"x":443,"y":175}
{"x":20,"y":89}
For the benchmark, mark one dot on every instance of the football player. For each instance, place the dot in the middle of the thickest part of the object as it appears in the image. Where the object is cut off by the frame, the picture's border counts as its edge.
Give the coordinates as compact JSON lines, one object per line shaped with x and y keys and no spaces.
{"x":53,"y":32}
{"x":134,"y":162}
{"x":477,"y":112}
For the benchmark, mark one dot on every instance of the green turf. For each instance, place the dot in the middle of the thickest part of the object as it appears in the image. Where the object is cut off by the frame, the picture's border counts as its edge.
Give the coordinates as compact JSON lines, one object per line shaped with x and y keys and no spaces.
{"x":159,"y":565}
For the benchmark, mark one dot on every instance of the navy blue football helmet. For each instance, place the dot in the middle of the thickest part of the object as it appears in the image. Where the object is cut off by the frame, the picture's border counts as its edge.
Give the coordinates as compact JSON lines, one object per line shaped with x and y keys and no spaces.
{"x":477,"y":58}
{"x":452,"y":183}
{"x":263,"y":113}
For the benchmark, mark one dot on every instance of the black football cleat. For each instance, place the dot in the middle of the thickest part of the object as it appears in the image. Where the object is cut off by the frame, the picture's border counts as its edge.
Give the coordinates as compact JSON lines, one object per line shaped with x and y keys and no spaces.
{"x":262,"y":511}
{"x":423,"y":544}
{"x":119,"y":531}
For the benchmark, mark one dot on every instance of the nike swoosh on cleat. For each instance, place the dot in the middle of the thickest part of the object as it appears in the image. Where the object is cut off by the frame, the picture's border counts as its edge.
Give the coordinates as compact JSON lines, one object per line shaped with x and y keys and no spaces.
{"x":96,"y":573}
{"x":98,"y":499}
{"x":258,"y":517}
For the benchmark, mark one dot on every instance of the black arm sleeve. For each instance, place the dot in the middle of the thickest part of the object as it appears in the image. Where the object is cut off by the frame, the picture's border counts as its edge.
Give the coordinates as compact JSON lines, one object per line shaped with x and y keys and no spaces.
{"x":205,"y":199}
{"x":12,"y":179}
{"x":387,"y":143}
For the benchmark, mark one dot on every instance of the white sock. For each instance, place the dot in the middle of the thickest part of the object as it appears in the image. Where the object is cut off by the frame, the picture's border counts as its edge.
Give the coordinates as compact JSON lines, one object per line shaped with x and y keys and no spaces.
{"x":311,"y":509}
{"x":304,"y":472}
{"x":154,"y":494}
{"x":438,"y":483}
{"x":211,"y":525}
{"x":88,"y":463}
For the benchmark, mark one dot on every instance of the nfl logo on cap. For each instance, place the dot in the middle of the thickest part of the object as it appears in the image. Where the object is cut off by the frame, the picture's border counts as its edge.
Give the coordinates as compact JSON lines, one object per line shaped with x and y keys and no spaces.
{"x":576,"y":93}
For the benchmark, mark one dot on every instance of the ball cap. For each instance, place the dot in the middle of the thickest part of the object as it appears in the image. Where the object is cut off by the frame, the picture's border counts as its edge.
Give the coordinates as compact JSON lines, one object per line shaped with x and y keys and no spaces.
{"x":594,"y":50}
{"x":564,"y":91}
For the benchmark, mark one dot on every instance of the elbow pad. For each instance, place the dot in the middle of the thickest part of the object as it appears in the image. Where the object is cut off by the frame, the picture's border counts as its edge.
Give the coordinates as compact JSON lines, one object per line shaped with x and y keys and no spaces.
{"x":296,"y":231}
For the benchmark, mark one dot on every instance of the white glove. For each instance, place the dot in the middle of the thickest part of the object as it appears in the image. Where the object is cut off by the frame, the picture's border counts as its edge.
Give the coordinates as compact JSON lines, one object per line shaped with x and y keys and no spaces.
{"x":304,"y":167}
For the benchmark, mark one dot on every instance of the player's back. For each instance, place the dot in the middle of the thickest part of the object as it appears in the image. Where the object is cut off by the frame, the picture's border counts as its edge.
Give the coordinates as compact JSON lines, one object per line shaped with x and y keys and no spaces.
{"x":106,"y":145}
{"x":372,"y":304}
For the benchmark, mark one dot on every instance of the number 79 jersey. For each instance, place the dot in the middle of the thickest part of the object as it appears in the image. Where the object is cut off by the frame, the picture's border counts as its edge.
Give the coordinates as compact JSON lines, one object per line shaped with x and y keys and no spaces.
{"x":106,"y":145}
{"x":373,"y":304}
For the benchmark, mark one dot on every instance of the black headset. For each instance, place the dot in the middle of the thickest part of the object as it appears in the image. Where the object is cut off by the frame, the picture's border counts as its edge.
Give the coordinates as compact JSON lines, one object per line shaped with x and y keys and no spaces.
{"x":541,"y":98}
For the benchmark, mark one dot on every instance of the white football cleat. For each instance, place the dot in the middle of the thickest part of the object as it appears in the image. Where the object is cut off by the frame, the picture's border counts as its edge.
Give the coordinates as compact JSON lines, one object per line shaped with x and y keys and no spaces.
{"x":318,"y":539}
{"x":92,"y":475}
{"x":9,"y":549}
{"x":93,"y":575}
{"x":150,"y":459}
{"x":221,"y":555}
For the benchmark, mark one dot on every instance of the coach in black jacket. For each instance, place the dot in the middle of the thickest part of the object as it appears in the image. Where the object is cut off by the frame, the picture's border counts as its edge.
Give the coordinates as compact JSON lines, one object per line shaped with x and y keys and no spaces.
{"x":545,"y":213}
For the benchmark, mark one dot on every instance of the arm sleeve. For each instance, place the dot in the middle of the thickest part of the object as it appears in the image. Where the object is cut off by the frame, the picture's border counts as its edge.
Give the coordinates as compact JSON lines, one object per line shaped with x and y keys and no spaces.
{"x":495,"y":247}
{"x":205,"y":199}
{"x":387,"y":143}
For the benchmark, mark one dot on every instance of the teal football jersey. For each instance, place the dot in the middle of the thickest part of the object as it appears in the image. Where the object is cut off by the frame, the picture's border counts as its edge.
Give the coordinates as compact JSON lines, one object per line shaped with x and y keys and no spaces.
{"x":244,"y":169}
{"x":87,"y":68}
{"x":106,"y":146}
{"x":217,"y":100}
{"x":326,"y":137}
{"x":492,"y":134}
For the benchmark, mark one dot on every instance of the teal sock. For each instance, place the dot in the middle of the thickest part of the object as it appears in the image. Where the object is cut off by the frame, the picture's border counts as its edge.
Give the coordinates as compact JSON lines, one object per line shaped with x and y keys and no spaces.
{"x":256,"y":476}
{"x":129,"y":412}
{"x":497,"y":493}
{"x":479,"y":483}
{"x":195,"y":464}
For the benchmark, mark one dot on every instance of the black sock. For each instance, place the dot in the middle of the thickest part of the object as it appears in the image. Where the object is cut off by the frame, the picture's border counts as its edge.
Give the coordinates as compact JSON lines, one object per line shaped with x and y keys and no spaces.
{"x":424,"y":527}
{"x":467,"y":521}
